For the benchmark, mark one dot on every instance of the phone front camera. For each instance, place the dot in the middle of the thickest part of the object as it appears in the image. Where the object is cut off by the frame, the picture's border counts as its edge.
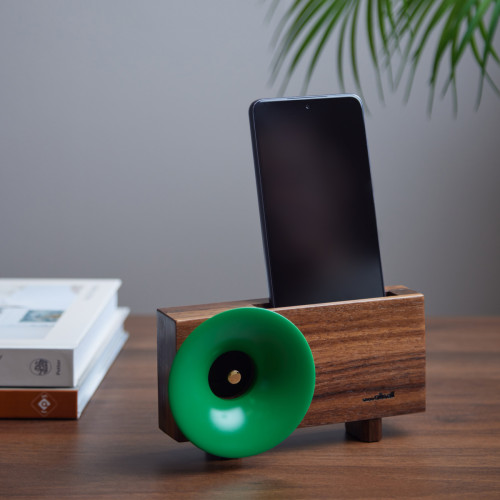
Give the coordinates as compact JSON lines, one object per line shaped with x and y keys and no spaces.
{"x":308,"y":106}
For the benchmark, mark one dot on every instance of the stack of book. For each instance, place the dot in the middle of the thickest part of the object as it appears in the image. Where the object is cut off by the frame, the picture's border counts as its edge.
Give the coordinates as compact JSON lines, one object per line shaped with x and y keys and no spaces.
{"x":58,"y":339}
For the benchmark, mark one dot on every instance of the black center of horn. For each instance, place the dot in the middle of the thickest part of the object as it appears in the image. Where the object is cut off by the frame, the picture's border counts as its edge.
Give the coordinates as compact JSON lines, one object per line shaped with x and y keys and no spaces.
{"x":231,"y":374}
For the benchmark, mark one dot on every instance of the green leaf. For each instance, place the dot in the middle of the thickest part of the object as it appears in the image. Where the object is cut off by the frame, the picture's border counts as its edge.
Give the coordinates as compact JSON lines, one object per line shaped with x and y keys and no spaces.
{"x":294,"y":31}
{"x":354,"y":63}
{"x":373,"y":50}
{"x":340,"y":50}
{"x":308,"y":40}
{"x":319,"y":49}
{"x":396,"y":30}
{"x":488,"y":48}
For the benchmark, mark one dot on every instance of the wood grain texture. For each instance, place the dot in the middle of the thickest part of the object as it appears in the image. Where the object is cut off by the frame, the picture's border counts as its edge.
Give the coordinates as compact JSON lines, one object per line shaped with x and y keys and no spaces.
{"x":116,"y":450}
{"x":369,"y":357}
{"x":369,"y":354}
{"x":203,"y":311}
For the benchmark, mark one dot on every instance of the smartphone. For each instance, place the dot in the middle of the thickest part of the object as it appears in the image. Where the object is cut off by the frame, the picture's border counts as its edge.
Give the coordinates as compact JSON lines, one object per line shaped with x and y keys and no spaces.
{"x":316,"y":199}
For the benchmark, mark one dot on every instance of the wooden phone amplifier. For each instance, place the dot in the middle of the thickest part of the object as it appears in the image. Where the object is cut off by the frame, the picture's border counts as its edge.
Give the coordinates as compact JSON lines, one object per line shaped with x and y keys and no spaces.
{"x":369,"y":357}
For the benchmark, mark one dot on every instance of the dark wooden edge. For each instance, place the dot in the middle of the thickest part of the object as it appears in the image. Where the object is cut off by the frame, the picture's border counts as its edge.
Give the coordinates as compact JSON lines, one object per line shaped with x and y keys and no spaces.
{"x":166,"y":350}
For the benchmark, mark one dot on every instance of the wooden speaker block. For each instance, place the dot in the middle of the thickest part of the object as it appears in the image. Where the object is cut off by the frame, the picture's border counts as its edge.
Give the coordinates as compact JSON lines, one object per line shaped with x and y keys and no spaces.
{"x":369,"y":356}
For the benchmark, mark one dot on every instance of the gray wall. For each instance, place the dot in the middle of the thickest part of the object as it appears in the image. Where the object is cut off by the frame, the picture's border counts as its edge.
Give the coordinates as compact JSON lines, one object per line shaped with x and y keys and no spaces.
{"x":125,"y":152}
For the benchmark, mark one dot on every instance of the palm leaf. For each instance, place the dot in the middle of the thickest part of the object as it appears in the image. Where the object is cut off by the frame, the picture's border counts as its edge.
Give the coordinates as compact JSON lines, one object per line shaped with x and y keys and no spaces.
{"x":394,"y":27}
{"x":319,"y":49}
{"x":488,"y":49}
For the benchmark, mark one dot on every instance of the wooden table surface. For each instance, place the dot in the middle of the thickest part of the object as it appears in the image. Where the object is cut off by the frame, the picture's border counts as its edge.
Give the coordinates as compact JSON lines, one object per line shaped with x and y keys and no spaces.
{"x":116,"y":450}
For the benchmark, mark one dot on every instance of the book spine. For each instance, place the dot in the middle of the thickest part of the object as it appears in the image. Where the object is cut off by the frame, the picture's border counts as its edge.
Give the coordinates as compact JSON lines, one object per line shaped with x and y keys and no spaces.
{"x":40,"y":404}
{"x":36,"y":368}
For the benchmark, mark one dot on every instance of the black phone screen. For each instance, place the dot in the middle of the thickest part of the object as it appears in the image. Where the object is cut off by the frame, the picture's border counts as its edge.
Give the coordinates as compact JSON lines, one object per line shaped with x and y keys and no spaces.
{"x":316,"y":200}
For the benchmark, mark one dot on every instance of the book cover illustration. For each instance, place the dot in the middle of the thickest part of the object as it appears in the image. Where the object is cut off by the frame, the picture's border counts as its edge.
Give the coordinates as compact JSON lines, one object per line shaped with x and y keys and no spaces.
{"x":31,"y":311}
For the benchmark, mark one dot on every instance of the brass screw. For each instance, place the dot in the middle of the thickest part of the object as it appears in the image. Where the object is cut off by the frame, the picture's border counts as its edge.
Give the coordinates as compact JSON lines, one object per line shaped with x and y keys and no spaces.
{"x":234,"y":377}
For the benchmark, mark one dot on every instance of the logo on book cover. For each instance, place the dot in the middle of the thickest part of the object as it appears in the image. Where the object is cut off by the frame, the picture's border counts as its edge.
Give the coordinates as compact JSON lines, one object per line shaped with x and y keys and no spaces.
{"x":40,"y":367}
{"x":44,"y":404}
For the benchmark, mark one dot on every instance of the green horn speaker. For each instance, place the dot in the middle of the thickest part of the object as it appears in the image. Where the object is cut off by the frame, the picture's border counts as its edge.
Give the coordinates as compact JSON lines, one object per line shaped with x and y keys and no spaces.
{"x":241,"y":382}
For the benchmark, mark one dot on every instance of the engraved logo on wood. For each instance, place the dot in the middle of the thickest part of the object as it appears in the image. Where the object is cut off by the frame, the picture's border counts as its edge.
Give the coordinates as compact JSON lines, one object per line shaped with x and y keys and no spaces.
{"x":380,"y":395}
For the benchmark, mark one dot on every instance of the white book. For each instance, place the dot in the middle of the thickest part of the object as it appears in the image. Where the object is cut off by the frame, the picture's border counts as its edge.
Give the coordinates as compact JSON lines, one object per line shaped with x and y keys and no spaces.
{"x":50,"y":330}
{"x":57,"y":402}
{"x":95,"y":373}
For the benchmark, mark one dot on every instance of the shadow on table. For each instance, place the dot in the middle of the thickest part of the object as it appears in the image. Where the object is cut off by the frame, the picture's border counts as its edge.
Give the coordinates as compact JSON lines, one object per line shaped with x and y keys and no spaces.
{"x":168,"y":458}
